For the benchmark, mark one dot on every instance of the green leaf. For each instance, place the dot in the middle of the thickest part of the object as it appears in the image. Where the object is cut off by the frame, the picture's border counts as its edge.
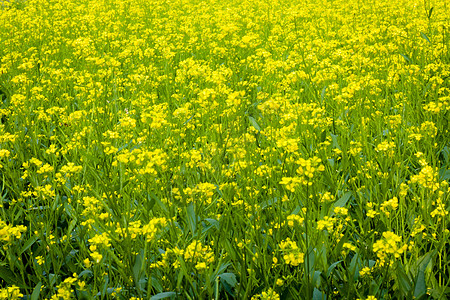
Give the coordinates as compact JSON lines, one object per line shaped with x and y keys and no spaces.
{"x":221,"y":268}
{"x":28,"y":244}
{"x":430,"y":12}
{"x":152,"y":195}
{"x":421,"y":287}
{"x":228,"y":281}
{"x":427,"y":88}
{"x":404,"y":282}
{"x":188,"y":120}
{"x":163,"y":295}
{"x":375,"y":287}
{"x":446,"y":153}
{"x":254,"y":123}
{"x":425,"y":37}
{"x":312,"y":260}
{"x":425,"y":260}
{"x":354,"y":270}
{"x":87,"y":273}
{"x":318,"y":295}
{"x":36,"y":291}
{"x":151,"y":202}
{"x":191,"y":218}
{"x":331,"y":162}
{"x":297,"y":209}
{"x":334,"y":141}
{"x":52,"y":278}
{"x":268,"y":203}
{"x":68,"y":209}
{"x":229,"y":278}
{"x":71,"y":227}
{"x":104,"y":291}
{"x":444,"y":174}
{"x":406,"y":57}
{"x":138,"y":267}
{"x":332,"y":267}
{"x":213,"y":222}
{"x":322,"y":94}
{"x":10,"y":278}
{"x":316,"y":279}
{"x":343,"y":200}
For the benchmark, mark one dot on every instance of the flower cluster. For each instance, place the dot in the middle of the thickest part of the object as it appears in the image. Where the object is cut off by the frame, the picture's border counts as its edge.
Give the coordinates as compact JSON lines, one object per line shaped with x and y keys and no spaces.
{"x":292,"y":254}
{"x":389,"y":248}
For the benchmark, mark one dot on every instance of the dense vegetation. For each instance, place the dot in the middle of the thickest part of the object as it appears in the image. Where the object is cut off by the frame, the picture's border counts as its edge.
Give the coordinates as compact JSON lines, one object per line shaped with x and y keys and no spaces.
{"x":264,"y":149}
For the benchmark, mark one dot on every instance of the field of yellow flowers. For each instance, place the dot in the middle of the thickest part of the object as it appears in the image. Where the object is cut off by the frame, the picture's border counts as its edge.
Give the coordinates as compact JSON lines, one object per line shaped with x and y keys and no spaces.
{"x":224,"y":149}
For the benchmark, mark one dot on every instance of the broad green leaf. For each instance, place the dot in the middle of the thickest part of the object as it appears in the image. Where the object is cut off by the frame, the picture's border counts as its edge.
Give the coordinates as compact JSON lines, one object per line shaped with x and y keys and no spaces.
{"x":138,"y":266}
{"x":213,"y":222}
{"x":354,"y":270}
{"x":444,"y":174}
{"x":322,"y":94}
{"x":375,"y":287}
{"x":343,"y":200}
{"x":28,"y":244}
{"x":36,"y":291}
{"x":156,"y":198}
{"x":421,"y":287}
{"x":404,"y":281}
{"x":68,"y":209}
{"x":332,"y":267}
{"x":163,"y":295}
{"x":229,"y":278}
{"x":267,"y":203}
{"x":10,"y":278}
{"x":424,"y":260}
{"x":191,"y":217}
{"x":334,"y":141}
{"x":446,"y":153}
{"x":71,"y":227}
{"x":221,"y":268}
{"x":312,"y":259}
{"x":318,"y":295}
{"x":316,"y":279}
{"x":331,"y":162}
{"x":53,"y":278}
{"x":180,"y":276}
{"x":254,"y":123}
{"x":88,"y":273}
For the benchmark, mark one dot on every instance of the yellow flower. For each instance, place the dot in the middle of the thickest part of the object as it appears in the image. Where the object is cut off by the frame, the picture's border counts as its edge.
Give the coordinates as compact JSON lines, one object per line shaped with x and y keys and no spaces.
{"x":340,"y":211}
{"x":40,"y":260}
{"x":70,"y":168}
{"x":294,"y":219}
{"x":270,"y":294}
{"x":11,"y":293}
{"x":97,"y":257}
{"x":291,"y":253}
{"x":364,"y":271}
{"x":349,"y":246}
{"x":391,"y":204}
{"x":327,"y":223}
{"x":427,"y":178}
{"x":389,"y":247}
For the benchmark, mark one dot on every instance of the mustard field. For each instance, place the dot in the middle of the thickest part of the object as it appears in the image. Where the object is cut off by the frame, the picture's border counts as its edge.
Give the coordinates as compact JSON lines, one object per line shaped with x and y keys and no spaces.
{"x":224,"y":149}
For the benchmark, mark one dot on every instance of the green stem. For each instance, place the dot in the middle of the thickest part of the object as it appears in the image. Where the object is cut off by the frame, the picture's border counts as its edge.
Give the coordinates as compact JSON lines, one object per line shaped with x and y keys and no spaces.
{"x":308,"y":295}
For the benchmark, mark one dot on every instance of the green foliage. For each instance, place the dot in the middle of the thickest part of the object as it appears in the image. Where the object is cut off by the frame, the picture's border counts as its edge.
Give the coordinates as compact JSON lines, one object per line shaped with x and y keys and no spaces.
{"x":224,"y":149}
